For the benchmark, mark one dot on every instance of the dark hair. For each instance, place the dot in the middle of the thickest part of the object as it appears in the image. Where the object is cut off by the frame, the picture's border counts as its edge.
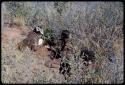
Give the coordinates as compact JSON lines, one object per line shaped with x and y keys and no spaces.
{"x":65,"y":34}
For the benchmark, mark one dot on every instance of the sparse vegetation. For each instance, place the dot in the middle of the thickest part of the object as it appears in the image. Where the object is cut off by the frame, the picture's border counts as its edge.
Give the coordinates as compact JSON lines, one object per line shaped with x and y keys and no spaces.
{"x":48,"y":33}
{"x":59,"y":6}
{"x":98,"y":26}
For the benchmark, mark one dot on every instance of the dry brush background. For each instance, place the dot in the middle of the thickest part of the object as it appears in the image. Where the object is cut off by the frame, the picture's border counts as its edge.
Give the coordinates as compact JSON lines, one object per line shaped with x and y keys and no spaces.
{"x":95,"y":25}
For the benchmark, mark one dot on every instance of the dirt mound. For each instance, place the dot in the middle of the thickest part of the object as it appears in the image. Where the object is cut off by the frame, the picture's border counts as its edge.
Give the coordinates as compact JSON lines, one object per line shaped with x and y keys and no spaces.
{"x":42,"y":52}
{"x":13,"y":34}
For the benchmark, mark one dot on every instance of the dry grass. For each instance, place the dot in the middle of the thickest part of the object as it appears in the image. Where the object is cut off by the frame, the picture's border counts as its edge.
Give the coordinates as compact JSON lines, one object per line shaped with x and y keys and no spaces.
{"x":95,"y":25}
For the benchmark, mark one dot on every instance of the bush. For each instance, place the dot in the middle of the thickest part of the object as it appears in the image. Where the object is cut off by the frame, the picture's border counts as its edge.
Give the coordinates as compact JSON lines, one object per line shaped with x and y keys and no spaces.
{"x":48,"y":33}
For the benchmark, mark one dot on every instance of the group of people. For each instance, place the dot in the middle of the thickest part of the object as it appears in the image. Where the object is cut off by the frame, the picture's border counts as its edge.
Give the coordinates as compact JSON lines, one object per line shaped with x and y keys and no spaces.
{"x":55,"y":52}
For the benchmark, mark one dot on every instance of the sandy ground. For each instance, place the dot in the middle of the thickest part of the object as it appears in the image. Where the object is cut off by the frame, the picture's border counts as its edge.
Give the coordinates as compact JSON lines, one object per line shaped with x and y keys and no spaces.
{"x":24,"y":67}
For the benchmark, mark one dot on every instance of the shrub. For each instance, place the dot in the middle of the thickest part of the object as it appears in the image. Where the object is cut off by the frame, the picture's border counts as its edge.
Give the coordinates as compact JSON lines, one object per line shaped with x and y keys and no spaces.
{"x":48,"y":33}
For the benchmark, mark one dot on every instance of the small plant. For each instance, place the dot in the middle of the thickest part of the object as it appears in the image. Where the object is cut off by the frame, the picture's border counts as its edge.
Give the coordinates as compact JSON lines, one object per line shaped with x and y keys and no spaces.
{"x":48,"y":33}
